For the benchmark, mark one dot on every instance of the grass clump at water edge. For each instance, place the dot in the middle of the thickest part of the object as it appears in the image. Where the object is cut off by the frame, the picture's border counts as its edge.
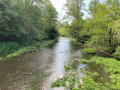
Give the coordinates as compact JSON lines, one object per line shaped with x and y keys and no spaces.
{"x":34,"y":47}
{"x":89,"y":51}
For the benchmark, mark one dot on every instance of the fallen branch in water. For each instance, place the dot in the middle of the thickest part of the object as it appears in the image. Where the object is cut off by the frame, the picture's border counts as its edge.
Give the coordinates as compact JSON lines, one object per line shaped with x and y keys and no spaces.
{"x":105,"y":53}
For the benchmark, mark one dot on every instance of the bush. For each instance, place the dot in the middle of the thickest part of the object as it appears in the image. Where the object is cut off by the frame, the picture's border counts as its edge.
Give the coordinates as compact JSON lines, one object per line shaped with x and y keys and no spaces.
{"x":88,"y":83}
{"x":89,"y":50}
{"x":8,"y":47}
{"x":95,"y":74}
{"x":66,"y":68}
{"x":53,"y":33}
{"x":83,"y":61}
{"x":75,"y":89}
{"x":59,"y":82}
{"x":117,"y":53}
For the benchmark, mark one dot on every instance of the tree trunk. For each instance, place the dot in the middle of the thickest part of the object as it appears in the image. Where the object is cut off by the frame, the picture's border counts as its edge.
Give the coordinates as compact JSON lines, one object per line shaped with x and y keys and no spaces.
{"x":110,"y":38}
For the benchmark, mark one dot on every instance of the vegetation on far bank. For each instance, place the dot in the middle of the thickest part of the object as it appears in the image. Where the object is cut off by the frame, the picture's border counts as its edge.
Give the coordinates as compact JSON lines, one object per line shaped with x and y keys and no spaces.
{"x":10,"y":49}
{"x":100,"y":30}
{"x":26,"y":25}
{"x":35,"y":47}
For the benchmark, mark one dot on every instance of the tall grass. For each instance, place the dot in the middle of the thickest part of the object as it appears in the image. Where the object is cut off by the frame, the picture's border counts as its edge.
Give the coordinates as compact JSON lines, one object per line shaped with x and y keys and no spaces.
{"x":8,"y":47}
{"x":33,"y":47}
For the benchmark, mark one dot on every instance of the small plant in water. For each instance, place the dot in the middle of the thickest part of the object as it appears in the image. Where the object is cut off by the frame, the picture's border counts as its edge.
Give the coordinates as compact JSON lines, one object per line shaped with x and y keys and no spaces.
{"x":83,"y":61}
{"x":95,"y":74}
{"x":75,"y":89}
{"x":59,"y":82}
{"x":66,"y":68}
{"x":89,"y":50}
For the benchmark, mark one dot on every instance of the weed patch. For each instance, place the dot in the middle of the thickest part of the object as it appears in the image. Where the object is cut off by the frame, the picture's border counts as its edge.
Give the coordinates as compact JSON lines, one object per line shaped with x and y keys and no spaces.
{"x":89,"y":51}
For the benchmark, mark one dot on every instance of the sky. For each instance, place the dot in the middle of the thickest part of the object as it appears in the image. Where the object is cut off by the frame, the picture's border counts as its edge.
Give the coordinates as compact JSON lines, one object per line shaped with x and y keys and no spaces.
{"x":59,"y":5}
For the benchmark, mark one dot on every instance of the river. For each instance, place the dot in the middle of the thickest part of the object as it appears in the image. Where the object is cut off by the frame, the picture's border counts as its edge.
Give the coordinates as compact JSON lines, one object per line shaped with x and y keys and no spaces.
{"x":37,"y":70}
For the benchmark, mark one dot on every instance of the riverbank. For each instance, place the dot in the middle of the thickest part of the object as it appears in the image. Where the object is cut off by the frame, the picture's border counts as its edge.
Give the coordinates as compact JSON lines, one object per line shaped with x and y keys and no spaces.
{"x":36,"y":70}
{"x":105,"y":74}
{"x":12,"y":49}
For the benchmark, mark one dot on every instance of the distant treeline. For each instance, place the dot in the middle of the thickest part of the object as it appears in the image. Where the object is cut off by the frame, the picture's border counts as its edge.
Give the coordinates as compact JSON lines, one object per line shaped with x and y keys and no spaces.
{"x":100,"y":30}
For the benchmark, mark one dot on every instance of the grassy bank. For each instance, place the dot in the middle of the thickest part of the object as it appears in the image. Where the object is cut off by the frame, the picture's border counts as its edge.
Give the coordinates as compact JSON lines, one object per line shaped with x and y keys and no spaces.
{"x":72,"y":81}
{"x":113,"y":69}
{"x":104,"y":73}
{"x":10,"y":49}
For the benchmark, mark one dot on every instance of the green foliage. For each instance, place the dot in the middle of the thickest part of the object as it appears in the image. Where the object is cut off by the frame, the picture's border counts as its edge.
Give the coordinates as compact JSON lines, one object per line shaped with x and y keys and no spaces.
{"x":83,"y":61}
{"x":59,"y":82}
{"x":72,"y":82}
{"x":101,"y":30}
{"x":117,"y":53}
{"x":88,"y":83}
{"x":8,"y":47}
{"x":67,"y":68}
{"x":113,"y":68}
{"x":53,"y":33}
{"x":64,"y":31}
{"x":56,"y":83}
{"x":89,"y":50}
{"x":35,"y":46}
{"x":115,"y":26}
{"x":95,"y":74}
{"x":112,"y":64}
{"x":80,"y":85}
{"x":25,"y":21}
{"x":75,"y":89}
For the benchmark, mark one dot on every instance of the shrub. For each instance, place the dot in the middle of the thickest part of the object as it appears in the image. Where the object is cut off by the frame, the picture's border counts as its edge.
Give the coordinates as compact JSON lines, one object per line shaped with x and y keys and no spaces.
{"x":95,"y":74}
{"x":83,"y":61}
{"x":80,"y":85}
{"x":75,"y":89}
{"x":89,"y":50}
{"x":66,"y":68}
{"x":59,"y":82}
{"x":117,"y":53}
{"x":113,"y":68}
{"x":88,"y":83}
{"x":8,"y":47}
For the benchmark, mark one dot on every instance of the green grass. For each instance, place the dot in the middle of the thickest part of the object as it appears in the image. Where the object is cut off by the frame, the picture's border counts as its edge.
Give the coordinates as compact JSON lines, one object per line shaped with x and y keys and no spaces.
{"x":34,"y":47}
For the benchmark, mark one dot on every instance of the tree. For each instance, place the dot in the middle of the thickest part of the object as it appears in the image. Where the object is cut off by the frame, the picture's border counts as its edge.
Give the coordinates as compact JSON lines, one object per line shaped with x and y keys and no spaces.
{"x":74,"y":9}
{"x":26,"y":20}
{"x":50,"y":16}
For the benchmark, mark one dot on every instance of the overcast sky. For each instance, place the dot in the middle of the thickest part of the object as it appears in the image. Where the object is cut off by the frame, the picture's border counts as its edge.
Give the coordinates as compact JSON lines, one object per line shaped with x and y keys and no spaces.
{"x":59,"y":4}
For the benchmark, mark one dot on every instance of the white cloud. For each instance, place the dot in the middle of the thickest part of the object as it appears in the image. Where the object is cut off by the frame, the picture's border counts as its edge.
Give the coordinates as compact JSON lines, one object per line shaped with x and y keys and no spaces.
{"x":59,"y":4}
{"x":86,"y":16}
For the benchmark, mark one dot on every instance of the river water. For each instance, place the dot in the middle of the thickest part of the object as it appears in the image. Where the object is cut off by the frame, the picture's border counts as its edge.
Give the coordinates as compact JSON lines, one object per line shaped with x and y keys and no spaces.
{"x":37,"y":70}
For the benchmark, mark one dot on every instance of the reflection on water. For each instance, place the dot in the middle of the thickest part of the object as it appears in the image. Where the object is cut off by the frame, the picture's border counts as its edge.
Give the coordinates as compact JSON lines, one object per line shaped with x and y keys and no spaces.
{"x":36,"y":70}
{"x":61,"y":56}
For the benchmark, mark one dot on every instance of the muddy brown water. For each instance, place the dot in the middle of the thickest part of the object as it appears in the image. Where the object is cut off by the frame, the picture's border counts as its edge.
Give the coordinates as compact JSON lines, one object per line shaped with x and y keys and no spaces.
{"x":37,"y":70}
